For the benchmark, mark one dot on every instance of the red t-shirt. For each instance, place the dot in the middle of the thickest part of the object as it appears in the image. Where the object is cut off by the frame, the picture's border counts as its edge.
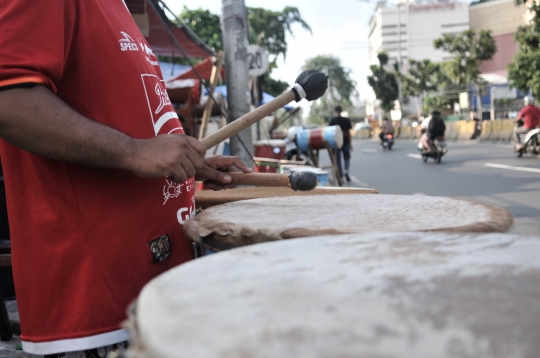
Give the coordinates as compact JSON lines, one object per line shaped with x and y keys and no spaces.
{"x":85,"y":240}
{"x":530,"y":115}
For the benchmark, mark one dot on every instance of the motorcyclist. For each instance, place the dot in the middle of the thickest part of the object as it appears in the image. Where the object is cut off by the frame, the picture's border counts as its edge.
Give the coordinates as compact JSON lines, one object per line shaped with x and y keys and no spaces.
{"x":527,"y":119}
{"x":387,"y":128}
{"x":434,"y":129}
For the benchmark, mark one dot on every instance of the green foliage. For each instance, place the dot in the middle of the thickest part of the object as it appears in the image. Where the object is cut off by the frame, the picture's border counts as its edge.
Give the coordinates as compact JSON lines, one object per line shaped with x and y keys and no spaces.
{"x":468,"y":50}
{"x":422,"y":76}
{"x":436,"y":102}
{"x":524,"y":71}
{"x":205,"y":24}
{"x":384,"y":83}
{"x":274,"y":87}
{"x":340,"y":86}
{"x":266,"y":28}
{"x":269,"y":28}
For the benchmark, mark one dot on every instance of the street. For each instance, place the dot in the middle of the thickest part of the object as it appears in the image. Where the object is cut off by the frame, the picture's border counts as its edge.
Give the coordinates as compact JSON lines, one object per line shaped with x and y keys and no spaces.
{"x":485,"y":172}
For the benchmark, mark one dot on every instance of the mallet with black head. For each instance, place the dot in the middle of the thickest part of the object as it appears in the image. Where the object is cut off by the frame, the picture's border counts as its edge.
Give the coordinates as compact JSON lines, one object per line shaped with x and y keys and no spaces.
{"x":302,"y":181}
{"x":309,"y":84}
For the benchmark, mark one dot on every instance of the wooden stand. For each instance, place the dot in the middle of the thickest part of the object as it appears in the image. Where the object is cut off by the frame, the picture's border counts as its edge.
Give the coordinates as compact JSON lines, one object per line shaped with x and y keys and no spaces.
{"x":314,"y":155}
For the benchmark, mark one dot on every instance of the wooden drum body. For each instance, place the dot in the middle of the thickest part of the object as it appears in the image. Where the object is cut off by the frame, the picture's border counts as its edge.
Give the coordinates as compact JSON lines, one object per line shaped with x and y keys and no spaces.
{"x":398,"y":295}
{"x":318,"y":138}
{"x":268,"y":219}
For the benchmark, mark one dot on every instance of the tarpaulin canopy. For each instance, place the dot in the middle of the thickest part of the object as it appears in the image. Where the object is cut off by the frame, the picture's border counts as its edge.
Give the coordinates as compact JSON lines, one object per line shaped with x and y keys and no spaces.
{"x":158,"y":36}
{"x":203,"y":68}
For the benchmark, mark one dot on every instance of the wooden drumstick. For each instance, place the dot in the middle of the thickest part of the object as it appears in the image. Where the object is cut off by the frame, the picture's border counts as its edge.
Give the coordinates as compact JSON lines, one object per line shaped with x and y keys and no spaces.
{"x":309,"y":85}
{"x":302,"y":181}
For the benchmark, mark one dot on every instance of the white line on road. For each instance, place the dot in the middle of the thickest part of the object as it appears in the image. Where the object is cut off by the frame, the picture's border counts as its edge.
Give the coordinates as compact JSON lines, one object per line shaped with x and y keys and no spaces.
{"x":369,"y":150}
{"x":356,"y":181}
{"x":417,"y":156}
{"x":510,"y":167}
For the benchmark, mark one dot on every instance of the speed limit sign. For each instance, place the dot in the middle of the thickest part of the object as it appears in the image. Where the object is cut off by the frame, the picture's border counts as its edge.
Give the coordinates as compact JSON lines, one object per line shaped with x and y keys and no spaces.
{"x":257,"y":60}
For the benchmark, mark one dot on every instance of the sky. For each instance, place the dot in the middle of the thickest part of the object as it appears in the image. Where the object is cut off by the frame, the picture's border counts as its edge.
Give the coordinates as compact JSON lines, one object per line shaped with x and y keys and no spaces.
{"x":339,"y":28}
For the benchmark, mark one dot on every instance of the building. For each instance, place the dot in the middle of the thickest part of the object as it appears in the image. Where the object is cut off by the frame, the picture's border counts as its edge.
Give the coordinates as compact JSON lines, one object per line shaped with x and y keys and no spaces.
{"x":503,"y":18}
{"x":419,"y":22}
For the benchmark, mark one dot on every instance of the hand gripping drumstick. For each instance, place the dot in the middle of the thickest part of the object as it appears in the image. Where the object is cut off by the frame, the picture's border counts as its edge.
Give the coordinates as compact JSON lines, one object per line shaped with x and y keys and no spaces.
{"x":309,"y":85}
{"x":302,"y":181}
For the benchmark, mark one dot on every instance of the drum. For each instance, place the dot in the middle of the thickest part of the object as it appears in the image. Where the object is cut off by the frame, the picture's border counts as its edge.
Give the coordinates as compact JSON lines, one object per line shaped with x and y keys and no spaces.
{"x":398,"y":295}
{"x":268,"y":219}
{"x":270,"y":148}
{"x":317,"y":138}
{"x":207,"y":198}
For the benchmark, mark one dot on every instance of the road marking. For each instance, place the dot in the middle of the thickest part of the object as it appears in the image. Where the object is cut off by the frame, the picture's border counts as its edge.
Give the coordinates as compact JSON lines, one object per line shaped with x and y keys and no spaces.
{"x":356,"y":181}
{"x":417,"y":156}
{"x":369,"y":150}
{"x":510,"y":167}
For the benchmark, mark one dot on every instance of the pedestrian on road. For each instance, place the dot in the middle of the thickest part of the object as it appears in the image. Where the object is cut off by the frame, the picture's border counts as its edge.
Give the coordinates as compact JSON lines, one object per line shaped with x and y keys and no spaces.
{"x":99,"y":175}
{"x":346,"y":126}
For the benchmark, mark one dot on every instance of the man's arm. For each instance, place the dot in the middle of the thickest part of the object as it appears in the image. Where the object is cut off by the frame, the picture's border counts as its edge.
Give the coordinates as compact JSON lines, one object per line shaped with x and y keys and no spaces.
{"x":37,"y":121}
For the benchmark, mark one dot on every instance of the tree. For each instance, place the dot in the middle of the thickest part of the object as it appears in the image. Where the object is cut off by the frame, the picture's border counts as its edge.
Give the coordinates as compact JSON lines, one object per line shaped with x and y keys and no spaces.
{"x":269,"y":28}
{"x":468,"y":51}
{"x":422,"y":77}
{"x":205,"y":24}
{"x":524,"y":71}
{"x":340,"y":86}
{"x":266,"y":28}
{"x":384,"y":83}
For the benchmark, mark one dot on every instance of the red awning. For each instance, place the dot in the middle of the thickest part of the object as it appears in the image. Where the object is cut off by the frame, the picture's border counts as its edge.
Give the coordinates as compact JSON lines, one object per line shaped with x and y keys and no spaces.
{"x":203,"y":68}
{"x":158,"y":36}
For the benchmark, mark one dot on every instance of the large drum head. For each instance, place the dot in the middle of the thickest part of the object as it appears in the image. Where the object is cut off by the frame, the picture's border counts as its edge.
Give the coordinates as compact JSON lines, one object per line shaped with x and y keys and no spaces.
{"x":398,"y":295}
{"x":207,"y":198}
{"x":259,"y":220}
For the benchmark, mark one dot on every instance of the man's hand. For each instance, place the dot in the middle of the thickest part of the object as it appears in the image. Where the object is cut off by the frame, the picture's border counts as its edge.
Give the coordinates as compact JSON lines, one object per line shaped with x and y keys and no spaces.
{"x":176,"y":156}
{"x":213,"y":172}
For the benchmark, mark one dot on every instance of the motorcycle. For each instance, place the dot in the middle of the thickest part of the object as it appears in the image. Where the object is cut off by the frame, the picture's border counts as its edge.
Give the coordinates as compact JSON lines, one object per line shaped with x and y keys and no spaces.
{"x":387,"y":141}
{"x":531,"y":143}
{"x":438,"y":149}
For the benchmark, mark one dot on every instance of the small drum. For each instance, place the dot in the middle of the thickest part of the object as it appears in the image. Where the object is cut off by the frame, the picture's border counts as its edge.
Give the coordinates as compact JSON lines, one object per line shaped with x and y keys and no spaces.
{"x":332,"y":136}
{"x":398,"y":295}
{"x":270,"y":148}
{"x":267,"y":219}
{"x":207,"y":198}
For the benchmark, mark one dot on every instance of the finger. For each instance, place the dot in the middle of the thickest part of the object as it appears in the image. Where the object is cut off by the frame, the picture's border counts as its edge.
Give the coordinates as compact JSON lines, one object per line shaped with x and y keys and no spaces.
{"x":179,"y":175}
{"x":214,"y":175}
{"x":197,"y":145}
{"x":237,"y":162}
{"x":188,"y":166}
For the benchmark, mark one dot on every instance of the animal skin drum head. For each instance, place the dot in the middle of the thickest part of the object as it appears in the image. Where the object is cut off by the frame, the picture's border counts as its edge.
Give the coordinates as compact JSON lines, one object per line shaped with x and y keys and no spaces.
{"x":268,"y":219}
{"x":397,"y":295}
{"x":207,"y":198}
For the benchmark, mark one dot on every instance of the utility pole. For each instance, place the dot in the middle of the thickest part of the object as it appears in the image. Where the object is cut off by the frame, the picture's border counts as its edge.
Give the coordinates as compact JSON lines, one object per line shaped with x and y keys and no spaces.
{"x":235,"y":46}
{"x":400,"y":94}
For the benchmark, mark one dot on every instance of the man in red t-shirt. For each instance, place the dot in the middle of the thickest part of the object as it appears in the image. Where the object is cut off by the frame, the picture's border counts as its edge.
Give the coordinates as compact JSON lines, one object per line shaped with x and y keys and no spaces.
{"x":530,"y":115}
{"x":97,"y":168}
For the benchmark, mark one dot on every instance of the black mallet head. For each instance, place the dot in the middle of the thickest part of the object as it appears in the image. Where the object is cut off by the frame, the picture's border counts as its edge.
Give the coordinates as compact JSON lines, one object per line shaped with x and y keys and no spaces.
{"x":303,"y":181}
{"x":310,"y":85}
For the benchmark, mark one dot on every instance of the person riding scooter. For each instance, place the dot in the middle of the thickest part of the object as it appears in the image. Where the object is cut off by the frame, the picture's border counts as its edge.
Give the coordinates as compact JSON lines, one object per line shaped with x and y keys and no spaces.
{"x":435,"y":129}
{"x":387,"y":128}
{"x":527,"y":119}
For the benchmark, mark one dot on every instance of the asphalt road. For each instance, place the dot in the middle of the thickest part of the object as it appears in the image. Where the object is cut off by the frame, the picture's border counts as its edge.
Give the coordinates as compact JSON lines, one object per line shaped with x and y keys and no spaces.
{"x":485,"y":172}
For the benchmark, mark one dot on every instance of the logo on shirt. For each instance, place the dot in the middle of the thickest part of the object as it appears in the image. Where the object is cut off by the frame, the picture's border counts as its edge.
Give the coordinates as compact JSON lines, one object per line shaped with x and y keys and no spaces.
{"x":164,"y":117}
{"x":127,"y":43}
{"x":149,"y":54}
{"x":161,"y":248}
